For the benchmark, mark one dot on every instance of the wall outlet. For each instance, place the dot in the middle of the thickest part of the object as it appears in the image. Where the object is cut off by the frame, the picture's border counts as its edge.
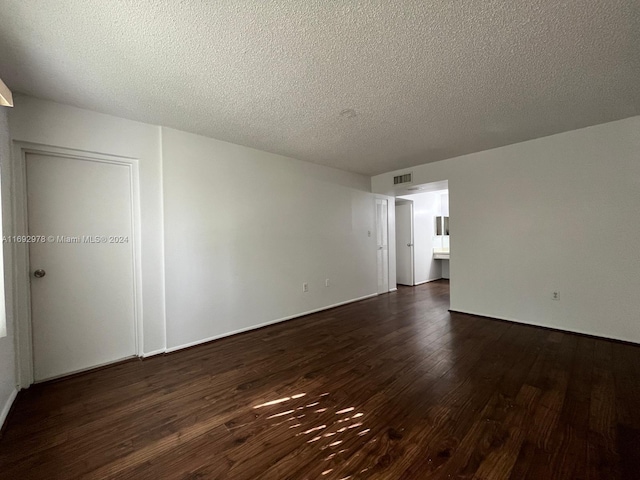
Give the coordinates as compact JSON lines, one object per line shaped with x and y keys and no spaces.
{"x":555,"y":295}
{"x":326,"y":282}
{"x":305,"y":287}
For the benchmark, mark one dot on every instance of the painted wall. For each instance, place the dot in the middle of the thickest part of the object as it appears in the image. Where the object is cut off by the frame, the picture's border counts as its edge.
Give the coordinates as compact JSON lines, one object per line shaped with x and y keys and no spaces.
{"x":7,"y":356}
{"x":557,"y":213}
{"x":53,"y":124}
{"x":245,"y":228}
{"x":443,"y":241}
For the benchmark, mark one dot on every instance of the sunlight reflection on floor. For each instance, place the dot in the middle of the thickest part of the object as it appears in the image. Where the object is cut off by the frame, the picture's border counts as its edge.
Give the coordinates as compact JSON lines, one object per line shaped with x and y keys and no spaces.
{"x":327,"y":428}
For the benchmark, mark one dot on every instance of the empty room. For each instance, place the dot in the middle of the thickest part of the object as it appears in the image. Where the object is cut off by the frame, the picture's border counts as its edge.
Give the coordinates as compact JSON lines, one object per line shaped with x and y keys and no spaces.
{"x":320,"y":240}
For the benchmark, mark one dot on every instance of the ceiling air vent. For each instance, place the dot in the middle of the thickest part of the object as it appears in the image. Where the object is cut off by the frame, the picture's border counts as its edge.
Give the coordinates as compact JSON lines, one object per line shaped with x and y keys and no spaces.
{"x":406,"y":178}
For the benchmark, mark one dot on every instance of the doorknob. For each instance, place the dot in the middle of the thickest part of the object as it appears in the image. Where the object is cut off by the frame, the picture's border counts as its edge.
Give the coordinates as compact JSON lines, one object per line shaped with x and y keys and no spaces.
{"x":409,"y":244}
{"x":39,"y":273}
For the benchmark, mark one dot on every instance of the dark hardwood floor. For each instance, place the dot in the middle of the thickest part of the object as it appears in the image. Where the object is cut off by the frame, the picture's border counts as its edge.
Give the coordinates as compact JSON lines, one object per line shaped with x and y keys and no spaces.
{"x":394,"y":387}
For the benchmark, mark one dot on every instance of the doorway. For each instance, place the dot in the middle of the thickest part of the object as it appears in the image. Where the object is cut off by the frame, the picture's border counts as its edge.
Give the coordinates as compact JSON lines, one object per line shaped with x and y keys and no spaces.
{"x":81,"y":263}
{"x":404,"y":243}
{"x":428,"y":233}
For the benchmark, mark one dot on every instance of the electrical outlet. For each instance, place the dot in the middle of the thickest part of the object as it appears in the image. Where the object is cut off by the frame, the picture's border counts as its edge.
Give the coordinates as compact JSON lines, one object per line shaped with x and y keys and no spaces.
{"x":305,"y":287}
{"x":555,"y":295}
{"x":326,"y":282}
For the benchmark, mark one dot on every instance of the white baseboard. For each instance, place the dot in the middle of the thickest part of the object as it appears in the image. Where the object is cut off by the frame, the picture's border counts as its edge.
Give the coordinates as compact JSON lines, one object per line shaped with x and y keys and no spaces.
{"x":271,"y":322}
{"x":547,"y":326}
{"x":394,"y":289}
{"x":427,"y":281}
{"x":153,"y":353}
{"x":7,"y":406}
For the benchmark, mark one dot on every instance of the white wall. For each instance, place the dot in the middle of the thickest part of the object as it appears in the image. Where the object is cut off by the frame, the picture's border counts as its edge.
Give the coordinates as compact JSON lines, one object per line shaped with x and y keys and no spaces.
{"x":443,"y":241}
{"x":245,"y":228}
{"x":556,"y":213}
{"x":7,"y":356}
{"x":52,"y":124}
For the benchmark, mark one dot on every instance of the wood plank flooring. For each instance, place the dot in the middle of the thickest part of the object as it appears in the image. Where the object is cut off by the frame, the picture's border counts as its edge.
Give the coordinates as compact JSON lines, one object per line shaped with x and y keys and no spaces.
{"x":394,"y":387}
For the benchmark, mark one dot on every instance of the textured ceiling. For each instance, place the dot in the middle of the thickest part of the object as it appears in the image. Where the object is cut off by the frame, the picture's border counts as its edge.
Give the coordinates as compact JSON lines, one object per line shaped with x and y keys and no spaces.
{"x":427,"y":80}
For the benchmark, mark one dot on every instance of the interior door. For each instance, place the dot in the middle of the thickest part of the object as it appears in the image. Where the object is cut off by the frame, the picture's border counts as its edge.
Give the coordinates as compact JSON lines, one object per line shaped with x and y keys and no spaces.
{"x":404,"y":243}
{"x":382,"y":237}
{"x":81,"y":263}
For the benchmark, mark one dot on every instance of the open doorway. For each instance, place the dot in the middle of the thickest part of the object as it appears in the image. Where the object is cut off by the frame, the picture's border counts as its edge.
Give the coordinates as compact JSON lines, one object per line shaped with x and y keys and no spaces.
{"x":405,"y":261}
{"x":422,"y":221}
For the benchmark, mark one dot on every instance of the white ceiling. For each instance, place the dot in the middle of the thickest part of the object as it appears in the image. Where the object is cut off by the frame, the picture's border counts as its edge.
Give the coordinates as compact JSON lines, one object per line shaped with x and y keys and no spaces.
{"x":427,"y":80}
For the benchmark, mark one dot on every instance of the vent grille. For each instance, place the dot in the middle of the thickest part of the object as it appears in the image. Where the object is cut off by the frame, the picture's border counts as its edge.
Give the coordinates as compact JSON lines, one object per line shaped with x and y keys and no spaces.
{"x":406,"y":178}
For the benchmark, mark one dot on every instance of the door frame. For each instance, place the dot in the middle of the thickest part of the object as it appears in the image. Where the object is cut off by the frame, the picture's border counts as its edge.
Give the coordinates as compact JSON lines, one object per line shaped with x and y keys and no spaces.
{"x":21,"y":297}
{"x":391,"y":239}
{"x":377,"y":199}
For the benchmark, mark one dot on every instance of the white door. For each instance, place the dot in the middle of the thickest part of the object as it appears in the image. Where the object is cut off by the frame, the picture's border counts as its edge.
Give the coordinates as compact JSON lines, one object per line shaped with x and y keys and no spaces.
{"x":82,"y":274}
{"x":382,"y":237}
{"x":404,"y":243}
